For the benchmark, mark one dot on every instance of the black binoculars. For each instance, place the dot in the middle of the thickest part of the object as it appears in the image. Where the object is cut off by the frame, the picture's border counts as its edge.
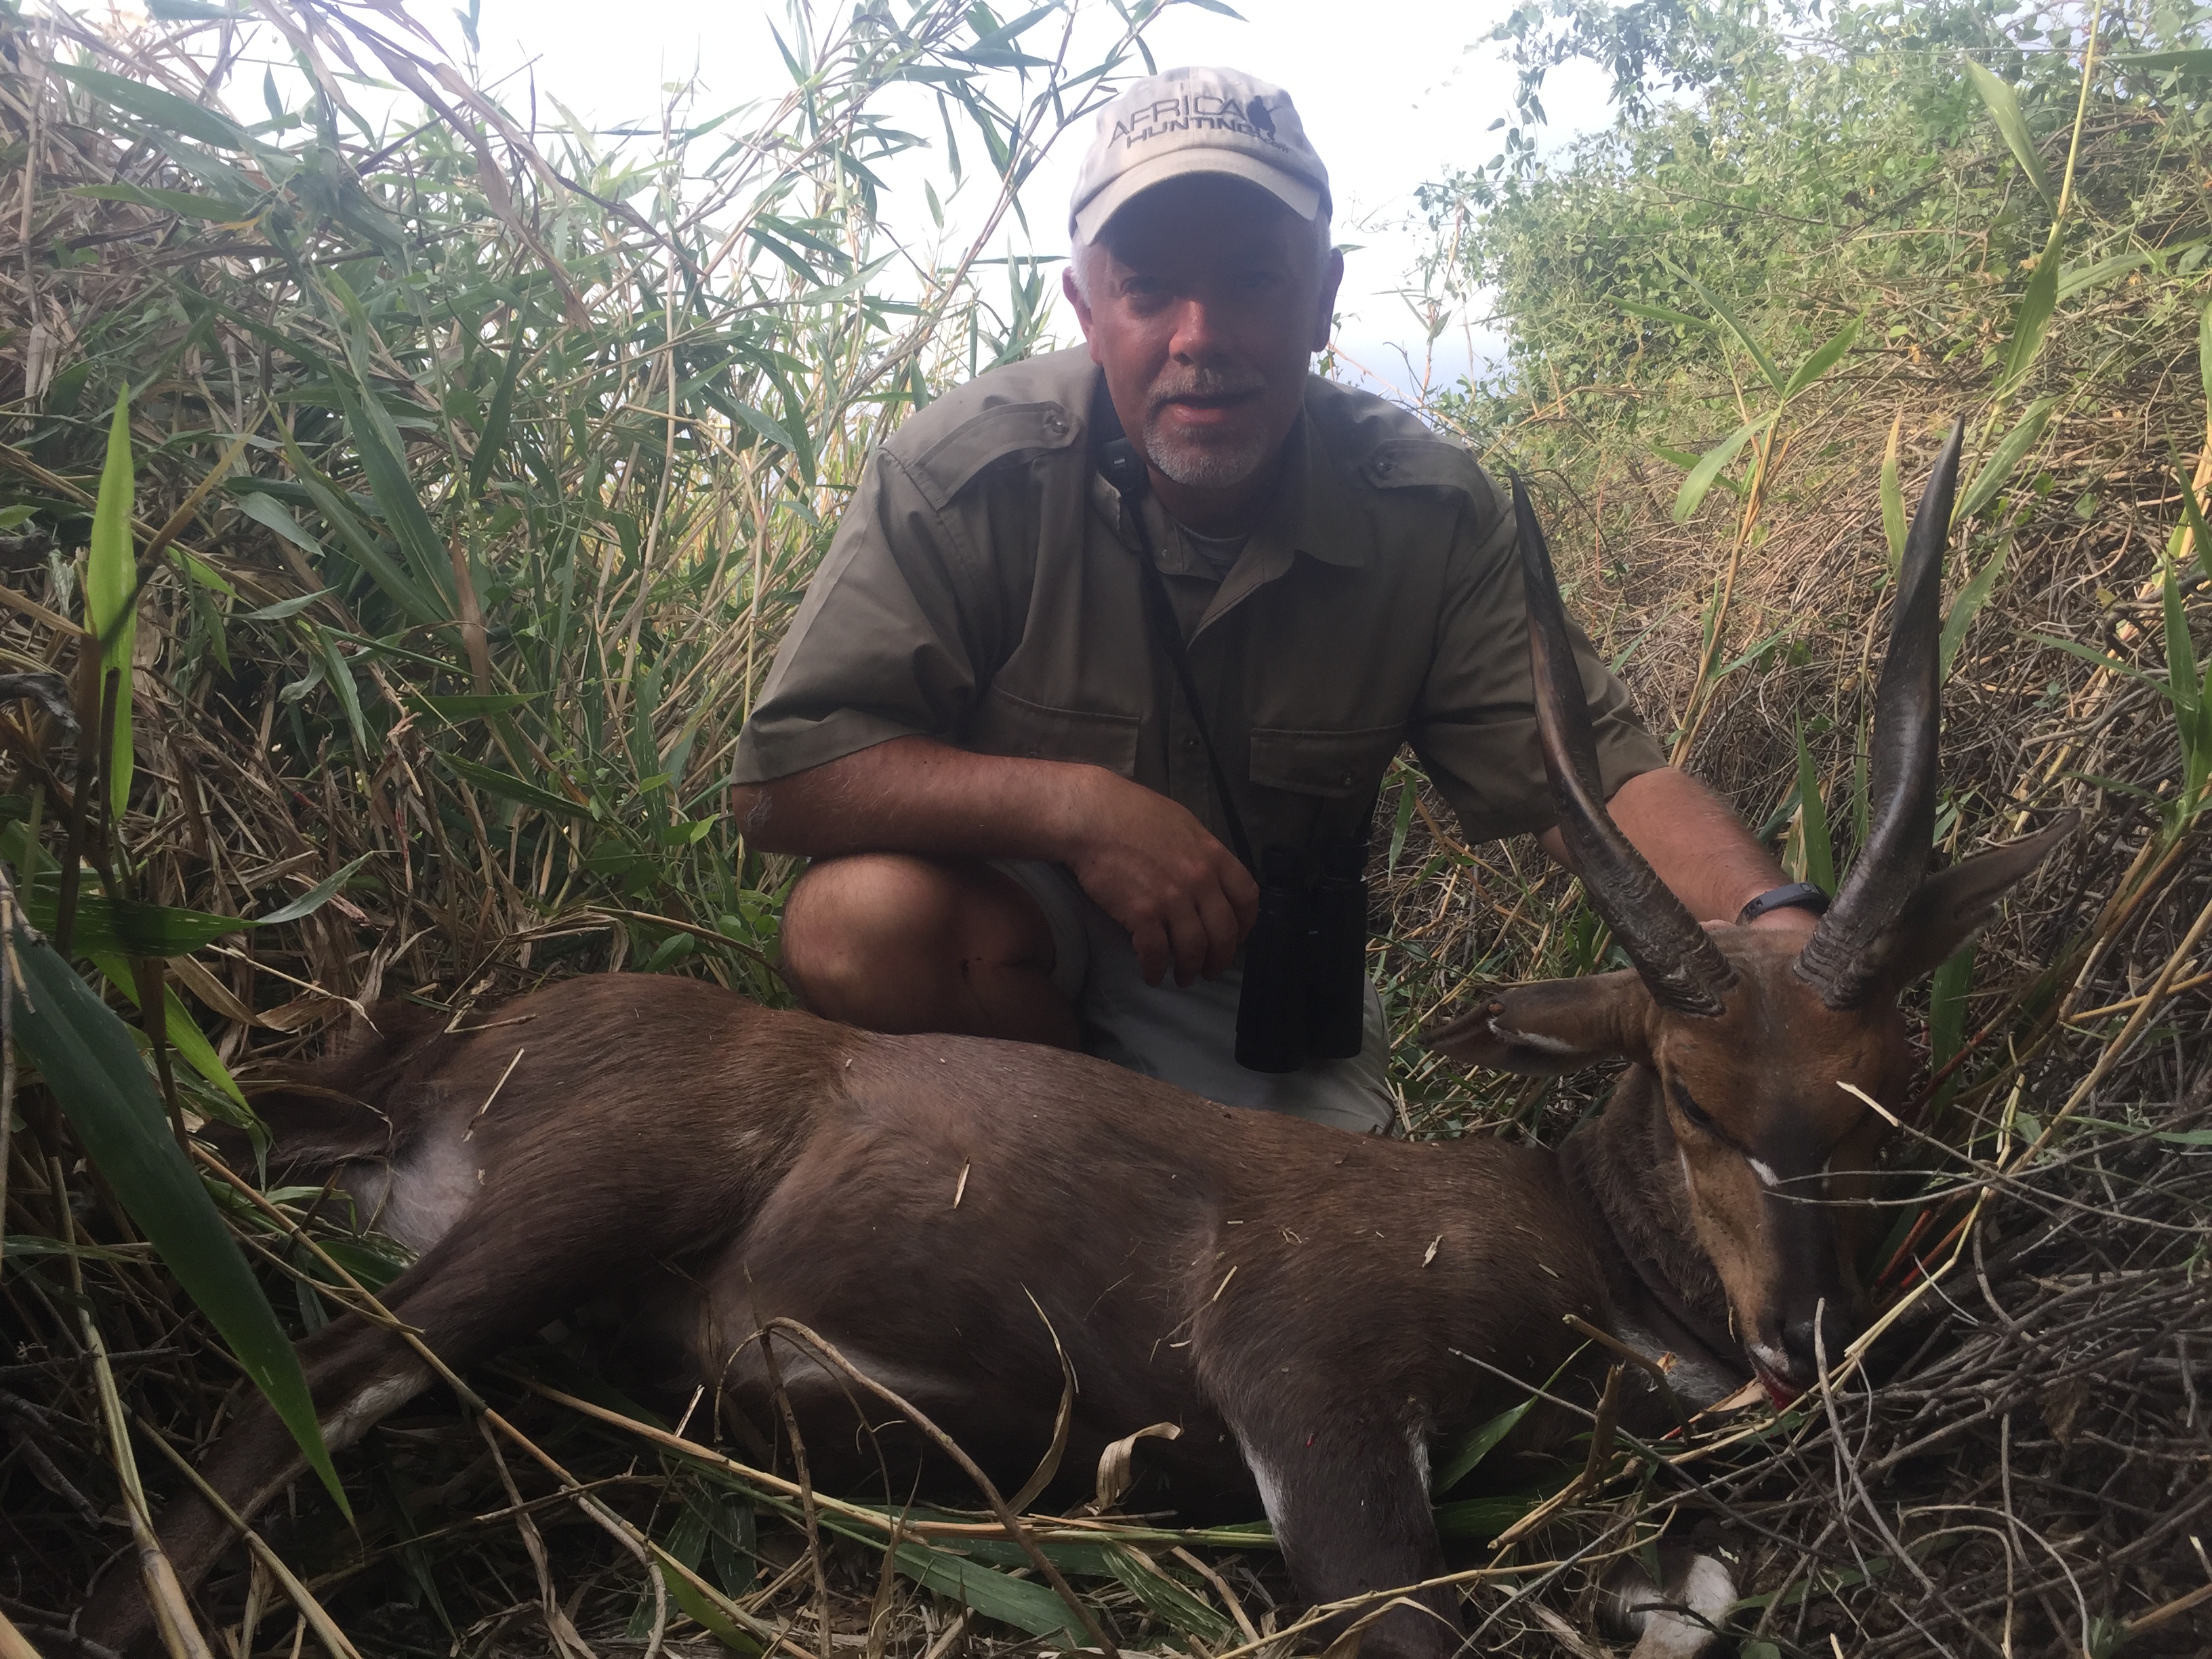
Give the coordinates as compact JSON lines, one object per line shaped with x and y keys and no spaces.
{"x":1306,"y":963}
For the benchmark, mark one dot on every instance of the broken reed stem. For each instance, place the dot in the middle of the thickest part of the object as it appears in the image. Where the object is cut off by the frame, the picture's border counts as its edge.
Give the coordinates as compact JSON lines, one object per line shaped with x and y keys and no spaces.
{"x":304,"y":1600}
{"x":172,"y":1615}
{"x":807,"y":1503}
{"x":945,"y":1443}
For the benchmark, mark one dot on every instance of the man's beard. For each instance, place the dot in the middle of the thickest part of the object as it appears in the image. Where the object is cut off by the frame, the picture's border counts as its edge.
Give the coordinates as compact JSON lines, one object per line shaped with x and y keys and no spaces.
{"x":1195,"y":463}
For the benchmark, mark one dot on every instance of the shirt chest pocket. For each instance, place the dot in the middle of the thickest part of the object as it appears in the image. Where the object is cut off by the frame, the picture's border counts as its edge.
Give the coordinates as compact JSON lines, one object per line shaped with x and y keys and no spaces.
{"x":1004,"y":723}
{"x":1336,"y":765}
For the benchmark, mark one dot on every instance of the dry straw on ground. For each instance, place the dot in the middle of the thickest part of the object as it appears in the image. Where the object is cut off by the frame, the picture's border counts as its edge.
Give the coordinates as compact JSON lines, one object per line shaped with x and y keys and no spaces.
{"x":2018,"y":1462}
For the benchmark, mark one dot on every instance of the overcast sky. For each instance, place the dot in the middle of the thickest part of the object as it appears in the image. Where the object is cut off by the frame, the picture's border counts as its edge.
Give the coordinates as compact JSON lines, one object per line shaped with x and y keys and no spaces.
{"x":1389,"y":93}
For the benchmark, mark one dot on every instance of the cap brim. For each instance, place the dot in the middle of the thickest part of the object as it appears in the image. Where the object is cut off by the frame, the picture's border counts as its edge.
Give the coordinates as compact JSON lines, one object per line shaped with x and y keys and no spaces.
{"x":1300,"y":196}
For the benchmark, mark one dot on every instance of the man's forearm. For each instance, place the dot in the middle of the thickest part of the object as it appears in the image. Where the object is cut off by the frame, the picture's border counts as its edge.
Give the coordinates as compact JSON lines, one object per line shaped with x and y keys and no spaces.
{"x":917,"y":795}
{"x":1144,"y":858}
{"x":1697,"y":846}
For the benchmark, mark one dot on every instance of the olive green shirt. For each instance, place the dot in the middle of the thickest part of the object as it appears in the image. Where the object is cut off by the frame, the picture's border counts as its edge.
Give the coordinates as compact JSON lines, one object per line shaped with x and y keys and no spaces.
{"x":983,"y":590}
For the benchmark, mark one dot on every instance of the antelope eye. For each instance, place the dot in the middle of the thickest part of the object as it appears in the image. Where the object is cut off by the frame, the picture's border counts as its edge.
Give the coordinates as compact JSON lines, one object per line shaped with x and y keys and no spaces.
{"x":1690,"y":1108}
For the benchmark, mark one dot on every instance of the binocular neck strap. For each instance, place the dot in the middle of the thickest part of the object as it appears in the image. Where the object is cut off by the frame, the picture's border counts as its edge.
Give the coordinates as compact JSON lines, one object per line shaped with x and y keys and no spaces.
{"x":1120,"y":465}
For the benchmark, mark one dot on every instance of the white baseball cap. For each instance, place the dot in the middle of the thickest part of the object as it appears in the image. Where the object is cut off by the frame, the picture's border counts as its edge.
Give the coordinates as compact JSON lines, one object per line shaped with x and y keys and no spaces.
{"x":1196,"y":120}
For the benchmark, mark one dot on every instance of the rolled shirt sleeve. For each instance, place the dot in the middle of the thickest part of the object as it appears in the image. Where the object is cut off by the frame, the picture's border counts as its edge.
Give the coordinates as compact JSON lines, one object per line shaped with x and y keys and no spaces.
{"x":887,"y":642}
{"x":1474,"y":723}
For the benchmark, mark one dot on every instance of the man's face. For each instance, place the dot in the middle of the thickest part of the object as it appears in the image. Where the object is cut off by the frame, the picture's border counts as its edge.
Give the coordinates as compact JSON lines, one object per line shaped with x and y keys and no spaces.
{"x":1206,"y":300}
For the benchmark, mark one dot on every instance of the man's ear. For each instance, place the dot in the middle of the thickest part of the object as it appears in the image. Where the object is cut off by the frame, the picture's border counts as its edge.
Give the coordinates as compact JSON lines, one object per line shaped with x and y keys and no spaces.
{"x":1954,"y":905}
{"x":1332,"y":278}
{"x":1073,"y":290}
{"x":1550,"y":1029}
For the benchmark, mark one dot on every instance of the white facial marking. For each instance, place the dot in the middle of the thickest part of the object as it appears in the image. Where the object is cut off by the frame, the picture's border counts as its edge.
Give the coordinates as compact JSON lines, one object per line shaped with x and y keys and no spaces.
{"x":1418,"y":1436}
{"x":1764,"y":1171}
{"x":1771,"y":1357}
{"x":1536,"y":1039}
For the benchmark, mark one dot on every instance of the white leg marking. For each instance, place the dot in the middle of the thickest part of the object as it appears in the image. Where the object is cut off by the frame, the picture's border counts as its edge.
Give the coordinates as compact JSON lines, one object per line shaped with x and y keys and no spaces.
{"x":1269,"y":1482}
{"x":359,"y":1414}
{"x":1418,"y":1437}
{"x":1704,"y":1588}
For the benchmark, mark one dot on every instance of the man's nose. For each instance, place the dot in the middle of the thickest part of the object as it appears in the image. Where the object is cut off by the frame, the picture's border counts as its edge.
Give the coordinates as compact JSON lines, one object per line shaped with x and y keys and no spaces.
{"x":1197,"y":336}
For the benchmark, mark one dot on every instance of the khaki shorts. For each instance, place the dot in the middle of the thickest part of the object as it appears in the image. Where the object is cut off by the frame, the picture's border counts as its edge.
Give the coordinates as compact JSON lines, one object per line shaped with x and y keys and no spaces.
{"x":1187,"y":1036}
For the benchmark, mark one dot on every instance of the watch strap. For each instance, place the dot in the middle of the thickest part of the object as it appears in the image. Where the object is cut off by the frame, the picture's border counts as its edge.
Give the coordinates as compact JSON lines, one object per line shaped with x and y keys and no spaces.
{"x":1793,"y":896}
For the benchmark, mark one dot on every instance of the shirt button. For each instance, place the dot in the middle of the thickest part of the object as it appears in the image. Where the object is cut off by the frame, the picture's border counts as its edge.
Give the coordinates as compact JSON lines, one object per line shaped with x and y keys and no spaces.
{"x":1189,"y":744}
{"x":1054,"y":424}
{"x":1345,"y":780}
{"x":1385,"y":467}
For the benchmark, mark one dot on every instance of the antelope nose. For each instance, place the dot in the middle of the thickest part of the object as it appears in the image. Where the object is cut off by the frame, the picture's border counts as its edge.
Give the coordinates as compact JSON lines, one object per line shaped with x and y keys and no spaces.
{"x":1835,"y":1329}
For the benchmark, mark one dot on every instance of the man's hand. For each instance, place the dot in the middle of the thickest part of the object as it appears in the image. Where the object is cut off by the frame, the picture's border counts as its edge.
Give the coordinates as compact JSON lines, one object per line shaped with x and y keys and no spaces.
{"x":1149,"y":863}
{"x":1145,"y":860}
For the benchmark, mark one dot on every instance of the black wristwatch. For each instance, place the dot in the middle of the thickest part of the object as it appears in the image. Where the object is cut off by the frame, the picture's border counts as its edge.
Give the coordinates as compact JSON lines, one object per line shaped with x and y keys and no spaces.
{"x":1796,"y":896}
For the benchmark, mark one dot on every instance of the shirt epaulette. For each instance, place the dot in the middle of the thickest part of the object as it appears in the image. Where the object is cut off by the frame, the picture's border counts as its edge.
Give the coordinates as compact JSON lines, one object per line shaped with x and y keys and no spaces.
{"x":949,"y":465}
{"x":1033,"y":406}
{"x":1406,"y":462}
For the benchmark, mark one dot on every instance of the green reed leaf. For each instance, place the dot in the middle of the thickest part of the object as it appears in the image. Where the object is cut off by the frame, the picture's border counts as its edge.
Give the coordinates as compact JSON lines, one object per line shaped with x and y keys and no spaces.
{"x":2032,"y":320}
{"x":92,"y":1065}
{"x":1743,"y":335}
{"x":111,"y":591}
{"x":1892,"y":498}
{"x":182,"y":1031}
{"x":1968,"y":605}
{"x":1990,"y":476}
{"x":163,"y":111}
{"x":1813,"y":821}
{"x":2004,"y":109}
{"x":1709,"y":466}
{"x":1825,"y":359}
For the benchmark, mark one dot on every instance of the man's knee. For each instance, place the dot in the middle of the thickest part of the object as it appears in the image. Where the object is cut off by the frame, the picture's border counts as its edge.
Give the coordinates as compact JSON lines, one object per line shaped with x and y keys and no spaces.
{"x":851,"y":920}
{"x":866,"y":935}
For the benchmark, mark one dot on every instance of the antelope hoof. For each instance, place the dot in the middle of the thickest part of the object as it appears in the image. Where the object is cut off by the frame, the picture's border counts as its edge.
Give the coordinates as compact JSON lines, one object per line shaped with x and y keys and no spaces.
{"x":1679,"y":1617}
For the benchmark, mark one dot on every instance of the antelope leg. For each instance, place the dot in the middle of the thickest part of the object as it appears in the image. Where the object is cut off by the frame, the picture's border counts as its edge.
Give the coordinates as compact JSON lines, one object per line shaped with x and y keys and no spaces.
{"x":470,"y":1294}
{"x":356,"y":1373}
{"x":1349,"y":1503}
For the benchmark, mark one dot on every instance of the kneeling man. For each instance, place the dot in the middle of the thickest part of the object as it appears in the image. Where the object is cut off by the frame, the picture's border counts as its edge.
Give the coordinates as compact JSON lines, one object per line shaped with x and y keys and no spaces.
{"x":1044,"y":683}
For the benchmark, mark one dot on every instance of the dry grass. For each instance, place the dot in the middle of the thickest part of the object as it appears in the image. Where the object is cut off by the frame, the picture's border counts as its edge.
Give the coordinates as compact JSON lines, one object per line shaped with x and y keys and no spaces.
{"x":2017,"y":1465}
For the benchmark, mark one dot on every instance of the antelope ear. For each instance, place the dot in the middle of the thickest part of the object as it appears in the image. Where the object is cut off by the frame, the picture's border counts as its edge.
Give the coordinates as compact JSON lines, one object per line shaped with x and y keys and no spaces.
{"x":1950,"y":908}
{"x":1550,"y":1029}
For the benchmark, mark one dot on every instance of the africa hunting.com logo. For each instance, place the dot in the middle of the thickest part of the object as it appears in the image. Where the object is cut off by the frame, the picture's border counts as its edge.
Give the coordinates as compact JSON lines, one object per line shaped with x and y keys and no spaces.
{"x":1196,"y":111}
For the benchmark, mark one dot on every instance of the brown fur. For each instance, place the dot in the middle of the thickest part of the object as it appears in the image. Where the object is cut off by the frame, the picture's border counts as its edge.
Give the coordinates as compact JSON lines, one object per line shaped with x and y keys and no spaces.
{"x":1308,"y":1306}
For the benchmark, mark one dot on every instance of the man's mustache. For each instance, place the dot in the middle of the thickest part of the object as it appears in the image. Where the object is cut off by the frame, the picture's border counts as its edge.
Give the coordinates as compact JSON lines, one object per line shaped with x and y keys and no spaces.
{"x":1203,"y":383}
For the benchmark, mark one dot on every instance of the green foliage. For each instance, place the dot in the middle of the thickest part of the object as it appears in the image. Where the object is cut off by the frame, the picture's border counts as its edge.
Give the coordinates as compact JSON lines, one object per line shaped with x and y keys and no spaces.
{"x":111,"y":598}
{"x":86,"y":1055}
{"x":1821,"y":167}
{"x":535,"y":470}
